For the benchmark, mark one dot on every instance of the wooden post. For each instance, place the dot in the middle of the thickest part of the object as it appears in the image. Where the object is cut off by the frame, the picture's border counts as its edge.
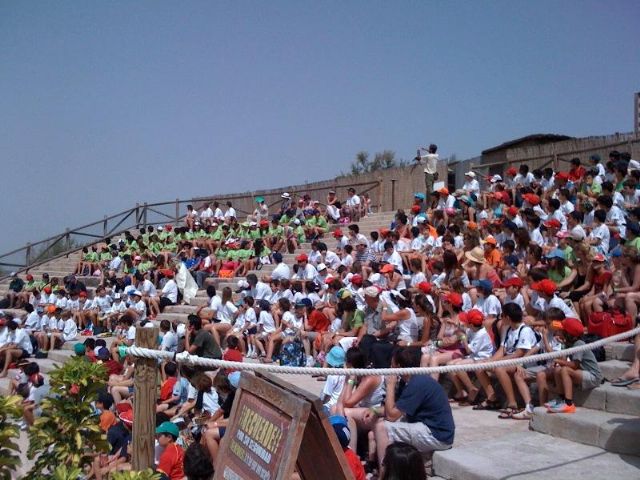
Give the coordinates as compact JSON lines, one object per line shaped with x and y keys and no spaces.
{"x":393,"y":194}
{"x":104,"y":226}
{"x":177,"y":210}
{"x":144,"y":214}
{"x":144,"y":404}
{"x":137,"y":215}
{"x":28,"y":255}
{"x":380,"y":193}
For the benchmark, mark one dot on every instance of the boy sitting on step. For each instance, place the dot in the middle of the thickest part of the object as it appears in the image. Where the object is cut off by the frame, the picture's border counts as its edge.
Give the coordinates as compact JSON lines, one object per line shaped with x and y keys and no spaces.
{"x":579,"y":369}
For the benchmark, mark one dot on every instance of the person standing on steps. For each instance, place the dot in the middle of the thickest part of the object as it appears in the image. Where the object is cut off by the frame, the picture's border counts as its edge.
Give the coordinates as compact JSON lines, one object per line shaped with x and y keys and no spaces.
{"x":429,"y":161}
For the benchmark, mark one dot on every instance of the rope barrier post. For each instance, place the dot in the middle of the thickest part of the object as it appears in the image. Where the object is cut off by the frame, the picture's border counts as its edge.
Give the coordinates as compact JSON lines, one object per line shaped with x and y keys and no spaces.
{"x":144,"y":404}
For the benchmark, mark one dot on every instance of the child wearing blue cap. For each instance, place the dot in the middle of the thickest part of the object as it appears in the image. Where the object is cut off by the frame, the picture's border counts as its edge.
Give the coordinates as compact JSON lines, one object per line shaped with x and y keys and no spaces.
{"x":341,"y":428}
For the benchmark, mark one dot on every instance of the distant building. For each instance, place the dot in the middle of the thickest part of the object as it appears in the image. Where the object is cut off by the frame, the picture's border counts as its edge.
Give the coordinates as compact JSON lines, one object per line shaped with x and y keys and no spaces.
{"x":496,"y":157}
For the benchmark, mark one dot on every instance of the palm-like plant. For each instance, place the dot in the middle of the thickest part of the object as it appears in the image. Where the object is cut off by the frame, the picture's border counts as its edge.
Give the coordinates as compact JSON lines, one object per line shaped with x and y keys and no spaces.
{"x":68,"y":432}
{"x":10,"y":412}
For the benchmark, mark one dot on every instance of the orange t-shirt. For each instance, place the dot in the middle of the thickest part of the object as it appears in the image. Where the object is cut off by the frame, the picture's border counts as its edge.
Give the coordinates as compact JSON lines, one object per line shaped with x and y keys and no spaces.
{"x":355,"y":464}
{"x":318,"y":321}
{"x":167,"y":388}
{"x":493,"y":258}
{"x":171,"y":462}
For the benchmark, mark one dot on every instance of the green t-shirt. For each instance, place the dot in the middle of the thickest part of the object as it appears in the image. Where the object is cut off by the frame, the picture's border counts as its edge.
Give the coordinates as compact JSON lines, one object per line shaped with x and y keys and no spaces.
{"x":105,"y":257}
{"x":216,"y":234}
{"x":276,"y":231}
{"x":299,"y":233}
{"x":558,"y":277}
{"x":144,"y":266}
{"x":356,"y":321}
{"x":635,"y":243}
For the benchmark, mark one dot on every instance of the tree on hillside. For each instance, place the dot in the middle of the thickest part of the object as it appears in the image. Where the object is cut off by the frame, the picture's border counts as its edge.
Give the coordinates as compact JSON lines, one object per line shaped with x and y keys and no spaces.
{"x":381,"y":161}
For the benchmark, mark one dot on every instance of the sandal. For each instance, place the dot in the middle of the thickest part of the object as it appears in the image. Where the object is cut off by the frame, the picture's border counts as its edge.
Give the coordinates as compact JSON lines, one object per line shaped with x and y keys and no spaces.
{"x":623,"y":382}
{"x":458,"y":399}
{"x":470,"y":399}
{"x":488,"y":405}
{"x":634,"y":386}
{"x":508,"y":413}
{"x":523,"y":415}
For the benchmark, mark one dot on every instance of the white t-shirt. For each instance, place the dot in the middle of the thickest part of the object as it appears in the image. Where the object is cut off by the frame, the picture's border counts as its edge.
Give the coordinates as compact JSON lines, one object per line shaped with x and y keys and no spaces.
{"x":353,"y":201}
{"x":231,"y":212}
{"x":170,"y":290}
{"x":262,"y":291}
{"x":471,"y":186}
{"x":518,"y":300}
{"x":70,"y":331}
{"x":601,"y":232}
{"x":141,"y":308}
{"x":521,"y":338}
{"x":489,"y":306}
{"x":21,"y":338}
{"x":480,"y":344}
{"x":226,"y":312}
{"x":103,"y":304}
{"x":210,"y":402}
{"x":32,"y":322}
{"x":307,"y":273}
{"x":394,"y":259}
{"x":169,"y":342}
{"x":282,"y":271}
{"x":332,"y":260}
{"x":332,"y":389}
{"x":266,"y":320}
{"x":295,"y":323}
{"x":131,"y":333}
{"x":430,"y":162}
{"x":148,"y":288}
{"x":119,"y":307}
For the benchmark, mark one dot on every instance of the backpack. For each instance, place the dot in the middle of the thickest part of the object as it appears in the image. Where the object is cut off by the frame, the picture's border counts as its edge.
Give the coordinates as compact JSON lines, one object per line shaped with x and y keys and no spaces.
{"x":292,"y":354}
{"x":606,"y":324}
{"x":599,"y":352}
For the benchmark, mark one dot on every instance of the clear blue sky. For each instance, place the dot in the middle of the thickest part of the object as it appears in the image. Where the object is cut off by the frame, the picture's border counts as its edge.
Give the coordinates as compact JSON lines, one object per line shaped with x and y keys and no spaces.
{"x":103,"y":104}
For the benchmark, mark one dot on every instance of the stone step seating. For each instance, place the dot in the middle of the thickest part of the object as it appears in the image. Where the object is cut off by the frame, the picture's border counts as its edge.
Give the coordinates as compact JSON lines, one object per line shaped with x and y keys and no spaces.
{"x":602,"y":436}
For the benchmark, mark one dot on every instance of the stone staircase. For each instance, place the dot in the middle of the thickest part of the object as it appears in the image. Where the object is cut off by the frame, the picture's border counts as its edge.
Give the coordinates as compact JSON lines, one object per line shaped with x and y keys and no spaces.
{"x":600,"y":439}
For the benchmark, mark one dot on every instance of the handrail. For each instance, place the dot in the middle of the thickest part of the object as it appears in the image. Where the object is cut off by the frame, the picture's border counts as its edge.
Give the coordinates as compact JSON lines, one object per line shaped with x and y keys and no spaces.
{"x":137,"y":217}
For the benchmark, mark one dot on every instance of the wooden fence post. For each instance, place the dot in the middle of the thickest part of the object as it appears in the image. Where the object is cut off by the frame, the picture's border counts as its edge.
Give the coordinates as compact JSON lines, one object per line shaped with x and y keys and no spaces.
{"x":144,"y":214}
{"x":144,"y":404}
{"x":27,"y":261}
{"x":177,"y":210}
{"x":393,"y":194}
{"x":380,"y":193}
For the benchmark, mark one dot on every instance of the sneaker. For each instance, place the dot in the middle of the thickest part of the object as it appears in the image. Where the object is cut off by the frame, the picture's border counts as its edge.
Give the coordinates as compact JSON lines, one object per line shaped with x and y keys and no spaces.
{"x":562,"y":408}
{"x":42,"y":354}
{"x":553,"y":403}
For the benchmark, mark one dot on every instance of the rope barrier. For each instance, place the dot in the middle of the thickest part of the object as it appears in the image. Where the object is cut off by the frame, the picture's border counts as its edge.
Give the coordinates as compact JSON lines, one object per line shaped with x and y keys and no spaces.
{"x":194,"y":360}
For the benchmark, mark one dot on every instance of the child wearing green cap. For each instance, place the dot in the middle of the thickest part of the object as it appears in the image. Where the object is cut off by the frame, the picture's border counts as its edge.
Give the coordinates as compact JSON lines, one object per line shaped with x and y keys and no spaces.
{"x":170,"y":464}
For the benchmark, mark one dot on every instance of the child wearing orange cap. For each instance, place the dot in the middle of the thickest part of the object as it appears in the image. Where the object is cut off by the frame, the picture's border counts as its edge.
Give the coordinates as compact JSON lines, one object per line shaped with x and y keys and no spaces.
{"x":581,"y":369}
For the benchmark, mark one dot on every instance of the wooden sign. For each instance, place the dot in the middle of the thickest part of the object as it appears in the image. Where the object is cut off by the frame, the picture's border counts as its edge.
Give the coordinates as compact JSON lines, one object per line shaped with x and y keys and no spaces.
{"x":274,"y":428}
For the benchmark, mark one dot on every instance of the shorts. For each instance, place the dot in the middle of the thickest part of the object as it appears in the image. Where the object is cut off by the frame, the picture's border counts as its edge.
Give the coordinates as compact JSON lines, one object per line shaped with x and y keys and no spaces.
{"x":533,"y":370}
{"x":313,"y":335}
{"x":416,"y":434}
{"x":221,"y":431}
{"x":589,"y":380}
{"x":24,"y":354}
{"x":252,"y":331}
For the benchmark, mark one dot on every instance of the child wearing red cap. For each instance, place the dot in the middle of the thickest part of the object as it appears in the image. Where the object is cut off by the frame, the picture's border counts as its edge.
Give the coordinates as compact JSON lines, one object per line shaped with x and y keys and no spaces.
{"x":580,"y":369}
{"x":478,"y":347}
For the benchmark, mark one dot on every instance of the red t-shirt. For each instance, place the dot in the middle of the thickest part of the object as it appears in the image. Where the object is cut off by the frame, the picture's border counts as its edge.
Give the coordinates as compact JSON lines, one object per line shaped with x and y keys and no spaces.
{"x":576,"y":174}
{"x":171,"y":462}
{"x":91,"y":355}
{"x":167,"y":388}
{"x":232,"y":355}
{"x":355,"y":464}
{"x":113,"y":367}
{"x":318,"y":321}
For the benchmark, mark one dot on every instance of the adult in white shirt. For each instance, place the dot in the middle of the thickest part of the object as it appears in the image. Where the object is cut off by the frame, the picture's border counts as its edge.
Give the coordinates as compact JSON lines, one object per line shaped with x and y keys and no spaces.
{"x":217,"y":213}
{"x":445,"y":200}
{"x":206,"y":215}
{"x":391,"y":256}
{"x":282,"y":270}
{"x":230,"y":213}
{"x":258,"y":290}
{"x":17,"y":346}
{"x":429,"y":161}
{"x":169,"y":294}
{"x":471,"y":185}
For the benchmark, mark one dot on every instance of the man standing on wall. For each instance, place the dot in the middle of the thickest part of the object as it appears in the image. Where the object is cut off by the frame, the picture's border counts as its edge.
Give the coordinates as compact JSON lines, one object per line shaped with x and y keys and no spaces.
{"x":430,"y":162}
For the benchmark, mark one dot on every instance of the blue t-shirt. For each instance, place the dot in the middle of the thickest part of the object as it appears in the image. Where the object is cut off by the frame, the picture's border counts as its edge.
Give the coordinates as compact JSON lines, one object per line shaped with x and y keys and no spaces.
{"x":423,"y":400}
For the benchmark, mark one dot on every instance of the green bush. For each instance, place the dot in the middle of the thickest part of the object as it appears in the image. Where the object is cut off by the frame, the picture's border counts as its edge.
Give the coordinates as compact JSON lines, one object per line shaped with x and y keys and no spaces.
{"x":10,"y":413}
{"x":68,"y":432}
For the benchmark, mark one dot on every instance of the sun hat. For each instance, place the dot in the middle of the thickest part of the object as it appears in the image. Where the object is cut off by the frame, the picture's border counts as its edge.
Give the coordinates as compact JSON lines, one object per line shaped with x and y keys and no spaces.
{"x":259,"y":199}
{"x":454,"y":298}
{"x":512,"y":210}
{"x":490,"y":239}
{"x":419,"y":195}
{"x":598,"y":257}
{"x":552,"y":223}
{"x":388,"y":268}
{"x":470,"y":174}
{"x":573,"y":327}
{"x":336,"y":356}
{"x":169,"y":428}
{"x":475,"y":255}
{"x":285,"y":195}
{"x":356,"y":279}
{"x":513,"y":282}
{"x":483,"y":284}
{"x":474,"y":317}
{"x":577,"y":234}
{"x":234,"y":378}
{"x":556,"y":253}
{"x":337,"y":233}
{"x":444,"y":191}
{"x":511,"y":171}
{"x":546,"y":286}
{"x":371,"y":291}
{"x":562,"y":234}
{"x":103,"y":354}
{"x":302,"y":257}
{"x":321,"y":266}
{"x":344,"y":293}
{"x":495,"y":179}
{"x":531,"y":198}
{"x":79,"y":349}
{"x":424,"y":287}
